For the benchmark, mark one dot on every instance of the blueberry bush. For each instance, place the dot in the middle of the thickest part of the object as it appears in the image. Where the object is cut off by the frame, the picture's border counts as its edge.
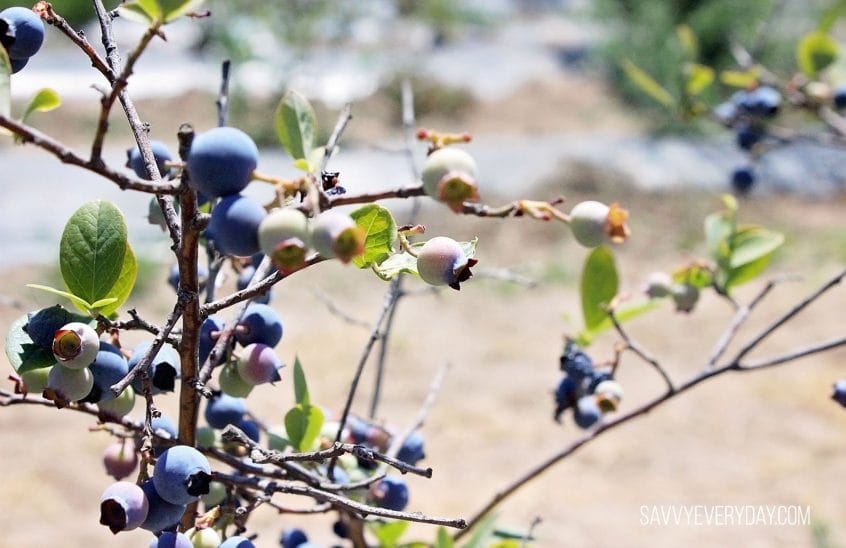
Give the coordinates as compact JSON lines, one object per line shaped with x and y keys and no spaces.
{"x":197,"y":485}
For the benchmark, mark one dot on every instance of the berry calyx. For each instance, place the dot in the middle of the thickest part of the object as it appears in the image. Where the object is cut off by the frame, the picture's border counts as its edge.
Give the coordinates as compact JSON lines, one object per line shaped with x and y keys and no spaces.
{"x":75,"y":345}
{"x":441,"y":261}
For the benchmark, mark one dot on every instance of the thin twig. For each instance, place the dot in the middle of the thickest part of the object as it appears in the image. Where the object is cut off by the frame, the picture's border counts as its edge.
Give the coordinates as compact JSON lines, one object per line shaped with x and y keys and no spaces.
{"x":223,"y":95}
{"x":641,"y":353}
{"x":332,"y":143}
{"x":335,"y":310}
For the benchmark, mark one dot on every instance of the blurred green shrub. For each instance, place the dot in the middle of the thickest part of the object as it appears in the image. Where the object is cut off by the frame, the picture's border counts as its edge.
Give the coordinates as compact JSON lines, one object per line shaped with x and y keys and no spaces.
{"x":646,"y":33}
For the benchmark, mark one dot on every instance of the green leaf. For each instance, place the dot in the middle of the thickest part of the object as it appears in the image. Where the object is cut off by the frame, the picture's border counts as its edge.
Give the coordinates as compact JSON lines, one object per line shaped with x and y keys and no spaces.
{"x":300,"y":386}
{"x":585,"y":337}
{"x":482,"y":532}
{"x":718,"y":229}
{"x":443,"y":540}
{"x":600,"y":283}
{"x":24,"y":355}
{"x":78,"y":302}
{"x":405,"y":263}
{"x":103,"y":302}
{"x":92,"y":250}
{"x":647,"y":84}
{"x":740,"y":78}
{"x":44,"y":101}
{"x":389,"y":532}
{"x":815,"y":51}
{"x":122,"y":288}
{"x":174,"y":9}
{"x":749,"y":244}
{"x":380,"y":230}
{"x":696,"y":275}
{"x":303,"y":424}
{"x":747,"y":272}
{"x":699,"y":77}
{"x":145,"y":12}
{"x":688,"y":41}
{"x":831,"y":15}
{"x":296,"y":125}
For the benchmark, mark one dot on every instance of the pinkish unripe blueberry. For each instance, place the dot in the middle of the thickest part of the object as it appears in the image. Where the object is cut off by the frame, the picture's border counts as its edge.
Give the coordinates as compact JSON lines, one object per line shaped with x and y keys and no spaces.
{"x":336,"y":235}
{"x":259,"y":364}
{"x":75,"y":345}
{"x":120,"y":459}
{"x":123,"y":507}
{"x":594,"y":223}
{"x":658,"y":285}
{"x":283,"y":236}
{"x":449,"y":176}
{"x":441,"y":261}
{"x":685,"y":296}
{"x":70,"y":384}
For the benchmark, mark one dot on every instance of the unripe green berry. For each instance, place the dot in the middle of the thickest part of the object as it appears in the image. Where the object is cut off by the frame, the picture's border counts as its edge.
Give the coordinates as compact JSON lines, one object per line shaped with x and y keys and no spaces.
{"x":75,"y":345}
{"x":449,"y":176}
{"x":121,"y":405}
{"x":283,"y":236}
{"x":231,"y":383}
{"x":70,"y":384}
{"x":35,"y":380}
{"x":594,"y":223}
{"x":336,"y":235}
{"x":658,"y":285}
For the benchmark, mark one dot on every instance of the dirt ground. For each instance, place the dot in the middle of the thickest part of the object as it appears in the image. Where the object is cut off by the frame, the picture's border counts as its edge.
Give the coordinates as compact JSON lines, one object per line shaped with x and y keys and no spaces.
{"x":766,"y":438}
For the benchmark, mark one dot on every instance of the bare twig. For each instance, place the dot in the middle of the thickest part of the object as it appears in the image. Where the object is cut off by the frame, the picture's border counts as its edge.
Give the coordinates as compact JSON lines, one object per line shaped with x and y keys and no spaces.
{"x":641,"y":353}
{"x":335,"y":310}
{"x":332,"y":143}
{"x":223,"y":94}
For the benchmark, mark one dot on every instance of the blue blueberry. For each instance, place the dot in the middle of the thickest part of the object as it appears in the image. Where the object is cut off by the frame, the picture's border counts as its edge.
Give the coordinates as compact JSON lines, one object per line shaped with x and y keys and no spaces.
{"x":234,"y":225}
{"x":171,"y":539}
{"x":597,"y":377}
{"x":726,"y":112}
{"x":412,"y":449}
{"x":765,"y":101}
{"x":341,"y":529}
{"x":181,"y":475}
{"x":223,"y":410}
{"x":173,"y":276}
{"x":18,"y":64}
{"x":163,"y":371}
{"x":161,"y":153}
{"x":839,"y":394}
{"x":260,"y":324}
{"x":250,"y":428}
{"x":587,"y":412}
{"x":743,"y":179}
{"x":108,"y":368}
{"x":162,"y":425}
{"x":221,"y":162}
{"x":358,"y":429}
{"x":212,"y":324}
{"x":237,"y":542}
{"x":244,"y":280}
{"x":291,"y":538}
{"x":576,"y":363}
{"x":27,"y":29}
{"x":748,"y":136}
{"x":566,"y":395}
{"x":161,"y":514}
{"x":840,"y":97}
{"x":391,"y":493}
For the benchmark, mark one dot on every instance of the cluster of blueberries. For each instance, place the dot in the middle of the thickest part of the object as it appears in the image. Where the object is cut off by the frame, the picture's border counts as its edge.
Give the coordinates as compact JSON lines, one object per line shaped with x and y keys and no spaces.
{"x":747,"y":113}
{"x":21,"y":34}
{"x":589,"y":391}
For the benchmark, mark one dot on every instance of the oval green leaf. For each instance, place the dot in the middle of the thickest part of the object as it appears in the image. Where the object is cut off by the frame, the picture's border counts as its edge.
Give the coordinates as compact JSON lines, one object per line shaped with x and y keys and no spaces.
{"x":80,"y":303}
{"x":296,"y":125}
{"x":816,"y":51}
{"x":173,"y":9}
{"x":381,"y":233}
{"x":122,"y":288}
{"x":300,"y":385}
{"x":599,"y":284}
{"x":647,"y":84}
{"x":303,"y":424}
{"x":92,"y":250}
{"x":44,"y":101}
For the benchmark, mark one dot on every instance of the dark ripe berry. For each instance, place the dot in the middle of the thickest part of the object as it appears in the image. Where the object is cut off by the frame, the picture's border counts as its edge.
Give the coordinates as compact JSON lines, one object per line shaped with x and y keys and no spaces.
{"x":234,"y":225}
{"x":18,"y":64}
{"x":341,"y":529}
{"x":586,"y":412}
{"x":163,"y":371}
{"x":27,"y":29}
{"x":221,"y":162}
{"x":441,"y":261}
{"x":839,"y":97}
{"x":237,"y":542}
{"x":411,"y":451}
{"x":161,"y":153}
{"x":161,"y":514}
{"x":244,"y":279}
{"x":291,"y":538}
{"x":597,"y":377}
{"x":765,"y":101}
{"x":123,"y":507}
{"x":250,"y":428}
{"x":260,"y":324}
{"x":109,"y":367}
{"x":743,"y":179}
{"x":164,"y":427}
{"x":181,"y":475}
{"x":565,"y":395}
{"x":839,"y":392}
{"x":576,"y":363}
{"x":391,"y":493}
{"x":209,"y":332}
{"x":223,"y":410}
{"x":171,"y":539}
{"x":748,"y":136}
{"x":726,"y":112}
